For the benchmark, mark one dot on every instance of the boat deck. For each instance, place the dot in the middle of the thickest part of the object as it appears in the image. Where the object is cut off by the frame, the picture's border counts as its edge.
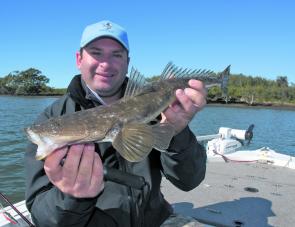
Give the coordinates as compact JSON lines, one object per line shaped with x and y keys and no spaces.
{"x":232,"y":194}
{"x":239,"y":194}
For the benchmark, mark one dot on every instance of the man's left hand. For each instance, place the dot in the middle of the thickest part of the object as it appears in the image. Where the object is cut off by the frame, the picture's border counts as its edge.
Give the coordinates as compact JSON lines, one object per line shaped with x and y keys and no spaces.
{"x":189,"y":101}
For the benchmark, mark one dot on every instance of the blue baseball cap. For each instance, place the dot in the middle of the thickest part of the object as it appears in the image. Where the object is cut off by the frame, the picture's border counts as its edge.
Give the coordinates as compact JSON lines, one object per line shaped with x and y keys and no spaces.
{"x":104,"y":28}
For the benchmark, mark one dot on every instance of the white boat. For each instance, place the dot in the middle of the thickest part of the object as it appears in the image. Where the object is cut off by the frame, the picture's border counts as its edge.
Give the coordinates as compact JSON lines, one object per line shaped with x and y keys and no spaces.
{"x":241,"y":188}
{"x":225,"y":146}
{"x":10,"y":217}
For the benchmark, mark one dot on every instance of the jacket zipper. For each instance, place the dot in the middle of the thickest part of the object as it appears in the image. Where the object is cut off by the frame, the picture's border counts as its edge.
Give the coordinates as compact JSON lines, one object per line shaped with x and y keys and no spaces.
{"x":134,"y":208}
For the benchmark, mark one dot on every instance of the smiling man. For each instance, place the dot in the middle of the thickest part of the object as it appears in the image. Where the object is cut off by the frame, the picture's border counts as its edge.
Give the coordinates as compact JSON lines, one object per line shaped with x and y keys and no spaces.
{"x":68,"y":188}
{"x":104,"y":64}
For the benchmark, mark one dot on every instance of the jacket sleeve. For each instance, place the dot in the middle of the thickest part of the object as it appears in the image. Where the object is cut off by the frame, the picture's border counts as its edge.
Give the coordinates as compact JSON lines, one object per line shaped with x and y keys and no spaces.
{"x":47,"y":204}
{"x":185,"y":162}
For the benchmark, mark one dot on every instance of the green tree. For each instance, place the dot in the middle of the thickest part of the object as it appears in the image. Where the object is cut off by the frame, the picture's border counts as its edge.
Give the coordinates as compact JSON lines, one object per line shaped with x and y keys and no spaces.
{"x":27,"y":82}
{"x":282,"y":81}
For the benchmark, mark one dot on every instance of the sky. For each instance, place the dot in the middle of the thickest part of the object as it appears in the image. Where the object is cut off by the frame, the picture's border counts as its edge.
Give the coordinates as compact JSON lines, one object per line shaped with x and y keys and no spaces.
{"x":255,"y":37}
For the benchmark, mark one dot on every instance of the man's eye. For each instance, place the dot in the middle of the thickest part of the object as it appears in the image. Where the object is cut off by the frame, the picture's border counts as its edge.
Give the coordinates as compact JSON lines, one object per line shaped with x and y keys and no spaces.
{"x":118,"y":55}
{"x":96,"y":53}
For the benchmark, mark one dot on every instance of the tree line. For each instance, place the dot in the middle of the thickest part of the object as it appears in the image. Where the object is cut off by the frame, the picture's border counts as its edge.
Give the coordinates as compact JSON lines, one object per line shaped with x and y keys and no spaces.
{"x":256,"y":90}
{"x":241,"y":88}
{"x":27,"y":82}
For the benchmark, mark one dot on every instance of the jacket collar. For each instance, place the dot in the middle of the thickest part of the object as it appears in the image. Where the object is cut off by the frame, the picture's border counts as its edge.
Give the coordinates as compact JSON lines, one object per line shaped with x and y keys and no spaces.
{"x":83,"y":96}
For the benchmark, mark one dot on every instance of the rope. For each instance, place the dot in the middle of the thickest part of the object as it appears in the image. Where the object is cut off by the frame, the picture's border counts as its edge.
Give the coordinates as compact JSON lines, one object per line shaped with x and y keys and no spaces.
{"x":226,"y":159}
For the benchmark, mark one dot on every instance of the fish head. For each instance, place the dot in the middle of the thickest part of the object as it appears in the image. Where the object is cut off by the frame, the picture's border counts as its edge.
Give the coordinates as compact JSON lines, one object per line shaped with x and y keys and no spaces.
{"x":49,"y":139}
{"x":46,"y":143}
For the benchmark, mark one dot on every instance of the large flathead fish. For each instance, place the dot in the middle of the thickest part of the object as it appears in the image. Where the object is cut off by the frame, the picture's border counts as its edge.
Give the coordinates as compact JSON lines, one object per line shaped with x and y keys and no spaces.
{"x":125,"y":123}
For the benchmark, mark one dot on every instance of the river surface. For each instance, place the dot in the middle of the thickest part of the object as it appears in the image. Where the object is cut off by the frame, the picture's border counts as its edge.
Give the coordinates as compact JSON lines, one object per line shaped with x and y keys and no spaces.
{"x":273,"y":128}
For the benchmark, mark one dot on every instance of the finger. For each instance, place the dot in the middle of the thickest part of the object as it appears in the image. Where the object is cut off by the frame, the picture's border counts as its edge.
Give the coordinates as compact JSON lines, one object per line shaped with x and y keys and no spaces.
{"x":97,"y":183}
{"x":52,"y":162}
{"x":197,"y":97}
{"x":86,"y":165}
{"x":185,"y":102}
{"x":197,"y":85}
{"x":176,"y":105}
{"x":163,"y":118}
{"x":71,"y":164}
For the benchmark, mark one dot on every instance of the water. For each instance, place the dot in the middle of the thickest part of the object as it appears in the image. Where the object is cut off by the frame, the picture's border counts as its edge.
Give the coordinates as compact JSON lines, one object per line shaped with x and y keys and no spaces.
{"x":273,"y":128}
{"x":15,"y":114}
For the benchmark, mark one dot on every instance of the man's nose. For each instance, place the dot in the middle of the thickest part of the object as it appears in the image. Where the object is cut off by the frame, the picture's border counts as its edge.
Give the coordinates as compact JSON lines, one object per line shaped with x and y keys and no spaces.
{"x":105,"y":62}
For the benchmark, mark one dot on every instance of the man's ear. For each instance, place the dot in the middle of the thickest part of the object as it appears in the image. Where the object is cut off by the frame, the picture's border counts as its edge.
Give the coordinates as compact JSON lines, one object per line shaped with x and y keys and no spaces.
{"x":78,"y":58}
{"x":128,"y":60}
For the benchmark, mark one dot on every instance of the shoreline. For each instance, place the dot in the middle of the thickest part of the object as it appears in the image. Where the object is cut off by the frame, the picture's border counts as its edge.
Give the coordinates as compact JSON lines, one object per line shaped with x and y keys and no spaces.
{"x":286,"y":106}
{"x":256,"y":106}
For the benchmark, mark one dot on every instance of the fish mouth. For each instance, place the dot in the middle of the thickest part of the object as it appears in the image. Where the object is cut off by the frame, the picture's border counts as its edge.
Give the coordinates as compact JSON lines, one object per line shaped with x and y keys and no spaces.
{"x":32,"y":136}
{"x":46,"y":144}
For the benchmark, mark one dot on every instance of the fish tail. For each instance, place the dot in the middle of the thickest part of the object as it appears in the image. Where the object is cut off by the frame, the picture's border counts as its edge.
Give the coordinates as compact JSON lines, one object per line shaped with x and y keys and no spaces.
{"x":224,"y":76}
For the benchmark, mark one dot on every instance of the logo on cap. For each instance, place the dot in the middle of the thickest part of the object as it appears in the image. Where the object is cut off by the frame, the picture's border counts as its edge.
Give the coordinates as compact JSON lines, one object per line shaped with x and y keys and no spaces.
{"x":108,"y":25}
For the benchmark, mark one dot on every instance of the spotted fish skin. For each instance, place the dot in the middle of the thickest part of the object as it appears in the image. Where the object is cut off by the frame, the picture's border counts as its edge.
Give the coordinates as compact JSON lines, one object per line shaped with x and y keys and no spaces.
{"x":125,"y":123}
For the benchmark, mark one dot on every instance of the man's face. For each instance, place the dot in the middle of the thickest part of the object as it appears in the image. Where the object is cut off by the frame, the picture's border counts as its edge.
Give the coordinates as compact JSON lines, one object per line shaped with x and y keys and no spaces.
{"x":103,"y":65}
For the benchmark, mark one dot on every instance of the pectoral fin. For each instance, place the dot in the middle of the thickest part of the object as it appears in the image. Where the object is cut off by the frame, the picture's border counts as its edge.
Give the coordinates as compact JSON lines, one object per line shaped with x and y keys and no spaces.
{"x":163,"y":134}
{"x":134,"y":142}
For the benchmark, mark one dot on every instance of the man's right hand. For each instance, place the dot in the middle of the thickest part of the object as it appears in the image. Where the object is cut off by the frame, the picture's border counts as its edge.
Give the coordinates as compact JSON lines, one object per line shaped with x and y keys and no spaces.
{"x":81,"y":175}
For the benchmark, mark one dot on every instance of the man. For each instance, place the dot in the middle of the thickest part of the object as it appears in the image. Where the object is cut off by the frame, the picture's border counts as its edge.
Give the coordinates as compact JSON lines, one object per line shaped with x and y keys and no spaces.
{"x":68,"y":188}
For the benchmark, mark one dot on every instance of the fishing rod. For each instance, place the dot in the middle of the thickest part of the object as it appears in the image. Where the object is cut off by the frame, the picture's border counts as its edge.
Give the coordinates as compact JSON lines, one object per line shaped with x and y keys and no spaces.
{"x":16,"y":210}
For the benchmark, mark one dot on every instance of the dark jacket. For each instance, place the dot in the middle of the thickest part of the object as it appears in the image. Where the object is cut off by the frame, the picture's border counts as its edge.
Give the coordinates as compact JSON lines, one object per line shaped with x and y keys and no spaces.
{"x":118,"y":205}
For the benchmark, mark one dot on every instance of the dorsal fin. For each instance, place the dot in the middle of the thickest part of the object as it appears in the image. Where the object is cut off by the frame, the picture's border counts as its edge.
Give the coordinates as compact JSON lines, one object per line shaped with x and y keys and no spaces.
{"x":168,"y":71}
{"x":135,"y":83}
{"x":172,"y":71}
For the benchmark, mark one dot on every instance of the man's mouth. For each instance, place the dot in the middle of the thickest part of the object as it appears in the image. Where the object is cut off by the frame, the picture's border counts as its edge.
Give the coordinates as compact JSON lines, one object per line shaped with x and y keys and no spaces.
{"x":104,"y":74}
